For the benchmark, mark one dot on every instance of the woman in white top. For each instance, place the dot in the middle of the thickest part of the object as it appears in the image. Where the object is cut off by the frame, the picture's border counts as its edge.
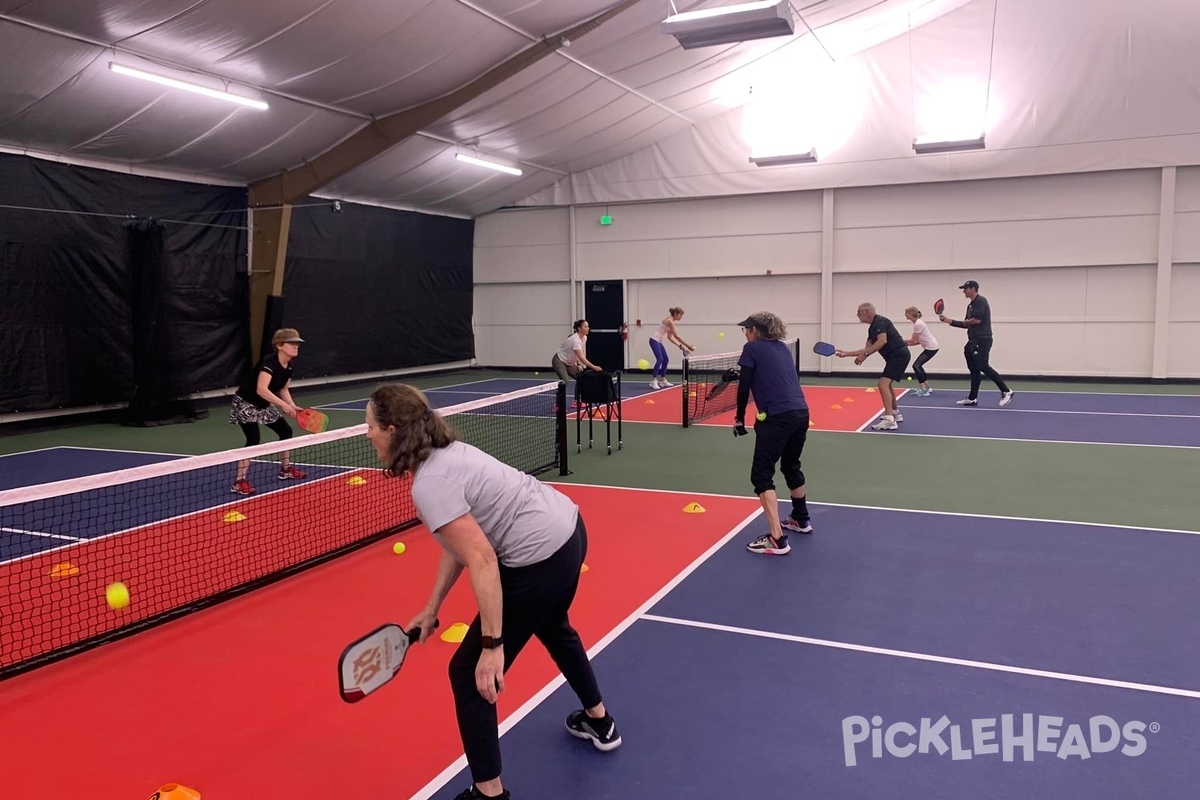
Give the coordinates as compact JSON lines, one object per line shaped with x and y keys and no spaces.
{"x":570,"y":359}
{"x":922,"y":336}
{"x":522,"y":544}
{"x":665,"y":330}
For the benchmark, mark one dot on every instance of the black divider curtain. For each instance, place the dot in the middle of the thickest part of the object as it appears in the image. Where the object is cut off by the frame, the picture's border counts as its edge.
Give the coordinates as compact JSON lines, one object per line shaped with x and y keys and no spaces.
{"x":373,"y":289}
{"x":99,"y":305}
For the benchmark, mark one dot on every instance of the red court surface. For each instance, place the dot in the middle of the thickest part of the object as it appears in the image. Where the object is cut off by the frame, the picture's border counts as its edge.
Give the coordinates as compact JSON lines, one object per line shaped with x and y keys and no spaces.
{"x":240,"y":700}
{"x":831,"y":408}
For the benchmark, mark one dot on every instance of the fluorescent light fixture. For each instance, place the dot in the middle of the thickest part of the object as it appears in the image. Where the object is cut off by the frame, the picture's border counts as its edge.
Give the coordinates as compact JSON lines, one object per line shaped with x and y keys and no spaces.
{"x":788,"y":158}
{"x":731,"y":24}
{"x":928,"y":145}
{"x":479,"y":162}
{"x":121,"y":69}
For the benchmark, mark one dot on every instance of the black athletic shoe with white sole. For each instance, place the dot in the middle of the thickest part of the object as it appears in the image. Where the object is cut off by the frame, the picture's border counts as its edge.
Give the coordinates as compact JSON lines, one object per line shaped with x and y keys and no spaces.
{"x":602,"y":732}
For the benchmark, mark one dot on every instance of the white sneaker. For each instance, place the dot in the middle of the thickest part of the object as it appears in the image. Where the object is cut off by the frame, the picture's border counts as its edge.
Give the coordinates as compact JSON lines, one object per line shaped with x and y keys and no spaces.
{"x":966,"y":401}
{"x":654,"y":384}
{"x":663,"y":383}
{"x":1005,"y":399}
{"x":899,"y":418}
{"x":885,"y":424}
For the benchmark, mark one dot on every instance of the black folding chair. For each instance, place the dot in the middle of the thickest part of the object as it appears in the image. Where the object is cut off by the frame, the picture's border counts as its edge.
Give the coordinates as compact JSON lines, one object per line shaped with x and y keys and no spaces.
{"x":598,"y":394}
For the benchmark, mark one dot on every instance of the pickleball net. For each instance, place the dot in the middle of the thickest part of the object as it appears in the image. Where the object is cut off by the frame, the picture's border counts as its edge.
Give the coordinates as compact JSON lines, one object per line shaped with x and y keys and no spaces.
{"x":710,"y":383}
{"x":179,"y":540}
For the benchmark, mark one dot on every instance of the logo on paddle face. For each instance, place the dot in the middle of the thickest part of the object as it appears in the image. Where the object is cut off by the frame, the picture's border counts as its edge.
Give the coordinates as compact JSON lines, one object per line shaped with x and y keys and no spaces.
{"x":368,"y":665}
{"x":1005,"y":736}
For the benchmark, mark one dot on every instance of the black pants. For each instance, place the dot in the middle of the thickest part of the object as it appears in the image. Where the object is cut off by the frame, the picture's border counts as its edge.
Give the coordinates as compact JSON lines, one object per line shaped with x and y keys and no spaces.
{"x":976,"y":353}
{"x":536,"y":601}
{"x":254,"y":436}
{"x":779,"y":438}
{"x":919,"y":364}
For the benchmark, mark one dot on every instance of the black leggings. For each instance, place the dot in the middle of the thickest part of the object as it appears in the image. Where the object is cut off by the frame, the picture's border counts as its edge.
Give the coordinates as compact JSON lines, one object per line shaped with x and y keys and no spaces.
{"x":254,"y":436}
{"x":536,"y":601}
{"x":779,"y":437}
{"x":919,"y":364}
{"x":976,"y":353}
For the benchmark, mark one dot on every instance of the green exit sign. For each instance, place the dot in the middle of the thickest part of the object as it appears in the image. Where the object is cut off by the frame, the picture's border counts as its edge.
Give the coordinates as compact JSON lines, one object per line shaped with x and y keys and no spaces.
{"x":606,"y":220}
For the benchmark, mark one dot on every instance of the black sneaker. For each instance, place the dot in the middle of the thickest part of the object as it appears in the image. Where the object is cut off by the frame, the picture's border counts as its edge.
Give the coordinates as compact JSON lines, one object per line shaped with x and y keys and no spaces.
{"x":770,"y":547}
{"x":473,"y":794}
{"x":602,"y":732}
{"x":790,"y":524}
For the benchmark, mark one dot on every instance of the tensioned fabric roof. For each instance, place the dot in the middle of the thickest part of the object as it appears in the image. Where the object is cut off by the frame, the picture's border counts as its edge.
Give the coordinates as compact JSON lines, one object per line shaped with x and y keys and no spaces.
{"x":622,"y":112}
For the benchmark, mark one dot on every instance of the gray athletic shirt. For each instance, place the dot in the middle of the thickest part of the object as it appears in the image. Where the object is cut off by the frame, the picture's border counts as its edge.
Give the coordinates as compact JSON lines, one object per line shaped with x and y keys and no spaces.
{"x":525,"y":520}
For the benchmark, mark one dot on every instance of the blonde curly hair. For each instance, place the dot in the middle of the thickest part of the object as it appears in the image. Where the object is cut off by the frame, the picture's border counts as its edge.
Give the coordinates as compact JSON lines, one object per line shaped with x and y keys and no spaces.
{"x":769,"y":325}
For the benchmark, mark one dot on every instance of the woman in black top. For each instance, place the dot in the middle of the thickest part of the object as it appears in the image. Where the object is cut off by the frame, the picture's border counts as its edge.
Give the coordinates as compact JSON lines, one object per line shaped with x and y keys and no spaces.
{"x":260,"y":399}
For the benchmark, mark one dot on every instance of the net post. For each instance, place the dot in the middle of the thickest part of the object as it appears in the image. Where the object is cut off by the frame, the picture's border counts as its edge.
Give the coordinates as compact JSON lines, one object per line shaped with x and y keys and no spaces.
{"x":560,"y":427}
{"x":684,"y":393}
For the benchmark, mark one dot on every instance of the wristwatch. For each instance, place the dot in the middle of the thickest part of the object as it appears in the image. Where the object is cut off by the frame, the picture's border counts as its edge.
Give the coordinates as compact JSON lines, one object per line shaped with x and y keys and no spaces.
{"x":490,"y":642}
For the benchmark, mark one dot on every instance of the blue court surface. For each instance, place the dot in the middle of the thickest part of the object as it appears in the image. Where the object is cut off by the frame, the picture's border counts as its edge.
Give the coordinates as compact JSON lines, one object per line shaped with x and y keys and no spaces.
{"x":1107,"y":418}
{"x":894,"y":654}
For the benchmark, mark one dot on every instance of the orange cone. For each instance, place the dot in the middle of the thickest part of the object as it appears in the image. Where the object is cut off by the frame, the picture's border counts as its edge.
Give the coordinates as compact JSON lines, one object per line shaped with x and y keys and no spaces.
{"x":174,"y":791}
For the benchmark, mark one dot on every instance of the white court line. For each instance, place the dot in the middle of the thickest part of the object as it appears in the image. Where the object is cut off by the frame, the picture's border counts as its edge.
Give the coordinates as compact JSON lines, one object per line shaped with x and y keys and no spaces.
{"x":118,"y":450}
{"x":958,"y":662}
{"x":43,"y":534}
{"x":1010,"y":410}
{"x":529,"y":705}
{"x":1016,"y":378}
{"x":27,"y":452}
{"x":902,"y":432}
{"x":891,"y":508}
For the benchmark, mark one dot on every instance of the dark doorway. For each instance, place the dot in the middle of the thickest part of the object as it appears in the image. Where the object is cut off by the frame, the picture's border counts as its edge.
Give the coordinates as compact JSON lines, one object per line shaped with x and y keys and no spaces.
{"x":604,"y":309}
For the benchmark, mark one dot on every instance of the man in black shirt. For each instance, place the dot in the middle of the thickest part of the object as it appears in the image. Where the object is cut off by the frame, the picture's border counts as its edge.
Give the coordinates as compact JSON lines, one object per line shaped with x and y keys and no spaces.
{"x":978,"y":323}
{"x":883,"y":338}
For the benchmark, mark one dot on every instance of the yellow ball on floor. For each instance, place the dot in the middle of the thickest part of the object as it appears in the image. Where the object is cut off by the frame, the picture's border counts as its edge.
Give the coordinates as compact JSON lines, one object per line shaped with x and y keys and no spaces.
{"x":117,"y":595}
{"x":910,"y":377}
{"x":643,"y":364}
{"x":398,"y":548}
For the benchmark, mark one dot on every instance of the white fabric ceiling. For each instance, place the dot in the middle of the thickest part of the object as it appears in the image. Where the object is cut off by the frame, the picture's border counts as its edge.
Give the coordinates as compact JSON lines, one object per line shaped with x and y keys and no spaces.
{"x":622,"y":102}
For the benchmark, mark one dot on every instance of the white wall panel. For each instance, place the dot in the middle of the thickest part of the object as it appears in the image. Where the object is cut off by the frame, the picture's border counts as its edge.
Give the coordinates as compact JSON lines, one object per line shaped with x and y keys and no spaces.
{"x":1187,"y":189}
{"x":1187,"y":236}
{"x":1185,"y":294}
{"x":520,"y":324}
{"x":1183,"y":354}
{"x":535,"y":262}
{"x":721,"y":216}
{"x":523,"y":228}
{"x":1028,"y":243}
{"x":1134,"y":192}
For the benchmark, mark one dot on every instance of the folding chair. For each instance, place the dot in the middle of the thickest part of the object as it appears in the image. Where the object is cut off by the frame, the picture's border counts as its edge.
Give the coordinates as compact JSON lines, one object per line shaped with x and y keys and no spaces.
{"x":598,"y":394}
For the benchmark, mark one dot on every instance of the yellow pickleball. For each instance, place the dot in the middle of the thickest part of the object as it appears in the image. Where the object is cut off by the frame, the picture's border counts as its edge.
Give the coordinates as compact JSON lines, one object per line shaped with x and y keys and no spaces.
{"x":760,"y":416}
{"x":398,"y":548}
{"x":117,"y":595}
{"x":721,"y":335}
{"x":643,"y":364}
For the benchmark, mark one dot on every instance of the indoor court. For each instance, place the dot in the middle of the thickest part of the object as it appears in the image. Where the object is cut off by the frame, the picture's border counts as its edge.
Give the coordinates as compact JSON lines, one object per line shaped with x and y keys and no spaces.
{"x":217,"y":216}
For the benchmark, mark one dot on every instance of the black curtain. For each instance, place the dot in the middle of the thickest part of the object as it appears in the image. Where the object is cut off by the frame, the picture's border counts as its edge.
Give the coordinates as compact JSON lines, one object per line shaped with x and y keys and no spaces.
{"x":159,"y":396}
{"x":69,"y":296}
{"x":373,"y":289}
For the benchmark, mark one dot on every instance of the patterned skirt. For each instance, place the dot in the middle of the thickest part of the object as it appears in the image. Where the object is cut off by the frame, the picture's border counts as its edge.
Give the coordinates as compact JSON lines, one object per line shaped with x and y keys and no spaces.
{"x":243,"y":413}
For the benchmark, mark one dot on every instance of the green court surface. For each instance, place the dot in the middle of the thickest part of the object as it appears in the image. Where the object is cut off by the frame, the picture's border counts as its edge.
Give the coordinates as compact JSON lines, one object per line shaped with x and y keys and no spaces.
{"x":1139,"y":486}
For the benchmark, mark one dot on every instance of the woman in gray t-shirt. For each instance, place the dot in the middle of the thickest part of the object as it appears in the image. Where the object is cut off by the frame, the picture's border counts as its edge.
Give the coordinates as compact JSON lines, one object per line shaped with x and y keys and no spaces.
{"x":523,"y":544}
